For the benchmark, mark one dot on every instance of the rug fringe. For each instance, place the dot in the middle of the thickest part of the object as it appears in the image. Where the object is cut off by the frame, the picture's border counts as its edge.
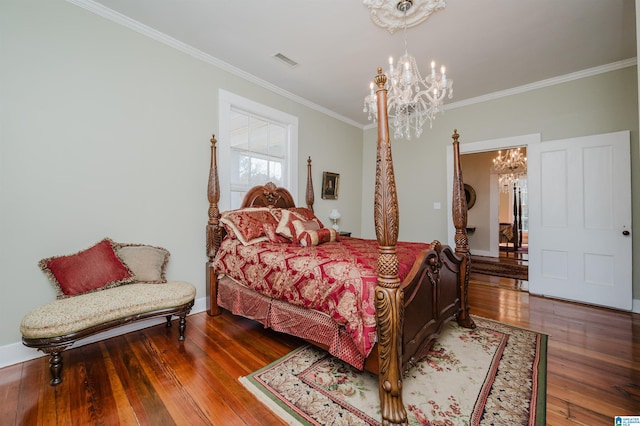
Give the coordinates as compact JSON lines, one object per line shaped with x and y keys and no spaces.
{"x":510,"y":325}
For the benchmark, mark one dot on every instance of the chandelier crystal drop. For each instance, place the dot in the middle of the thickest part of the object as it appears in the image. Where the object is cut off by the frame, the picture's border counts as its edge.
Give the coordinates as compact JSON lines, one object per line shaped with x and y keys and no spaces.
{"x":510,"y":167}
{"x":412,"y":99}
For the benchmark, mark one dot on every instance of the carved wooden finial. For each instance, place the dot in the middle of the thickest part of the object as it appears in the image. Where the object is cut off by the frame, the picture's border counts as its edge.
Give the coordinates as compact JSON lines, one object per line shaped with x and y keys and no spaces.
{"x":213,"y":195}
{"x":309,"y":197}
{"x":380,"y":80}
{"x":455,"y":135}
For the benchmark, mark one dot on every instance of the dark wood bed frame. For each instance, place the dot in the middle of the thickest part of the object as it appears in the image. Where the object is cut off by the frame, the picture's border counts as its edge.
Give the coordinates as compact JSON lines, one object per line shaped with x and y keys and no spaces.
{"x":409,"y":314}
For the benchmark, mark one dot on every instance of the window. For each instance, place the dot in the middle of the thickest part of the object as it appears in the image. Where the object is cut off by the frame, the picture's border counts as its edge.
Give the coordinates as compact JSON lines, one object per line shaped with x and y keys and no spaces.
{"x":257,"y":144}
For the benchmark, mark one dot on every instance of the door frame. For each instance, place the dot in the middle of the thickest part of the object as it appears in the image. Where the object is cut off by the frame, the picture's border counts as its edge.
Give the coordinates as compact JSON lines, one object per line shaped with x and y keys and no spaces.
{"x":484,"y":146}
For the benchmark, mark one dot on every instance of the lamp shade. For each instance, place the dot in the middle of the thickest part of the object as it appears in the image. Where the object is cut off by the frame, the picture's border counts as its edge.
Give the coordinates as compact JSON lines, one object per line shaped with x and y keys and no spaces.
{"x":334,"y":214}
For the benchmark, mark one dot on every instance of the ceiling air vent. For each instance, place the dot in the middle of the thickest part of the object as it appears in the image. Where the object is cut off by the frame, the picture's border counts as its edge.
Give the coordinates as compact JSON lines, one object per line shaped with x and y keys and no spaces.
{"x":282,"y":58}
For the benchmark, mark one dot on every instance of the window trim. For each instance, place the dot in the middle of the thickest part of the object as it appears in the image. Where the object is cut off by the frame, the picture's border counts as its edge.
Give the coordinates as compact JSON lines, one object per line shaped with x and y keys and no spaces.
{"x":227,"y":101}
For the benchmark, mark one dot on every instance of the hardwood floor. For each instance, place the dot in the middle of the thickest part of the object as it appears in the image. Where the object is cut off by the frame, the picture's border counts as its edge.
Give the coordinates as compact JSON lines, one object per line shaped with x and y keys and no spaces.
{"x":147,"y":377}
{"x":505,"y":257}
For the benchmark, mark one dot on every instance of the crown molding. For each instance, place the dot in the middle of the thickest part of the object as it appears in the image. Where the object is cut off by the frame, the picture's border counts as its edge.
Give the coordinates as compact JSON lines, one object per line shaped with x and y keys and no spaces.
{"x":138,"y":27}
{"x":134,"y":25}
{"x":590,"y":72}
{"x":545,"y":83}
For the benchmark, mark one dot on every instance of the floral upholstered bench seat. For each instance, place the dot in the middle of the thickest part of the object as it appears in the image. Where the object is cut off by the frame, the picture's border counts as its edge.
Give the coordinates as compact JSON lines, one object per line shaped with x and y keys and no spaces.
{"x":140,"y":292}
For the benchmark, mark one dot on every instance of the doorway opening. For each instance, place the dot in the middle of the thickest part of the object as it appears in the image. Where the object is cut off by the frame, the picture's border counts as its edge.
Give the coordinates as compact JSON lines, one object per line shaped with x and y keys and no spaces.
{"x":490,"y":265}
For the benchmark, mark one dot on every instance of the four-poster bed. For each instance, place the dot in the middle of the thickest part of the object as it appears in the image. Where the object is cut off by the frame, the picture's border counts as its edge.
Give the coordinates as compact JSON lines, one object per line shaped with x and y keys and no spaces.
{"x":389,"y":299}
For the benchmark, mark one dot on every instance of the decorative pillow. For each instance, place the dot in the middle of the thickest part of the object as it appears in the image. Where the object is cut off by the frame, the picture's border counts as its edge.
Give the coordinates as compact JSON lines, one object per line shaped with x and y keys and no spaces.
{"x":95,"y":268}
{"x":285,"y":225}
{"x":270,"y":231}
{"x":276,"y":212}
{"x":309,"y":233}
{"x":147,"y":263}
{"x":305,"y":214}
{"x":229,"y":231}
{"x":247,"y":223}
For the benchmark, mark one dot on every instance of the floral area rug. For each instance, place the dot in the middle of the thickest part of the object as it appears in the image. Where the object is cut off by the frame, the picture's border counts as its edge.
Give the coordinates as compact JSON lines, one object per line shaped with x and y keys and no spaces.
{"x":493,"y":375}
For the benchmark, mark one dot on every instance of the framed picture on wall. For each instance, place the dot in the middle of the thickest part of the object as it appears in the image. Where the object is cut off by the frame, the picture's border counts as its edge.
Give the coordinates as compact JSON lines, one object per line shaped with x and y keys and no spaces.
{"x":330,"y":183}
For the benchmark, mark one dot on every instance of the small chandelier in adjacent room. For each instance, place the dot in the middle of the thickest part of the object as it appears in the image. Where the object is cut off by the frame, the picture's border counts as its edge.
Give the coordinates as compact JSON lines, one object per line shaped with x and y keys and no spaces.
{"x":510,"y":167}
{"x":412,"y":99}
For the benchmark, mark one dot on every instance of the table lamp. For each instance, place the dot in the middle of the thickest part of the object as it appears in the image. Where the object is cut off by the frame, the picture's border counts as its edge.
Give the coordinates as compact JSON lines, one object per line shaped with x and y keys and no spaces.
{"x":334,"y":215}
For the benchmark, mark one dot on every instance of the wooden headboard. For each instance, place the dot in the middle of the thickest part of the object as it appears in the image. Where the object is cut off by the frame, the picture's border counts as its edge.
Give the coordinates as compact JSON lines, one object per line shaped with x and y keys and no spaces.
{"x":268,"y":195}
{"x":277,"y":196}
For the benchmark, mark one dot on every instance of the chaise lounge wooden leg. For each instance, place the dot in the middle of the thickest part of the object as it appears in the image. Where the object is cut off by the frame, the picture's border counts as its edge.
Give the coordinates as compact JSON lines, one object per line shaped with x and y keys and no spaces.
{"x":169,"y":320}
{"x":183,"y":325}
{"x":55,"y":363}
{"x":55,"y":366}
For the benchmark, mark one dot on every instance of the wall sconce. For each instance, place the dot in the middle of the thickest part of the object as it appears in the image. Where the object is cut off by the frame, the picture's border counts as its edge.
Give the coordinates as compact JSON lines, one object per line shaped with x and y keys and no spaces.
{"x":334,"y":215}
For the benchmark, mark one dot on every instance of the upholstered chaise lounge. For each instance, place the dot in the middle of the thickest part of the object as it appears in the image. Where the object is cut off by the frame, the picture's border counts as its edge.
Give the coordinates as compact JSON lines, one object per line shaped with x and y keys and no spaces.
{"x":100,"y":288}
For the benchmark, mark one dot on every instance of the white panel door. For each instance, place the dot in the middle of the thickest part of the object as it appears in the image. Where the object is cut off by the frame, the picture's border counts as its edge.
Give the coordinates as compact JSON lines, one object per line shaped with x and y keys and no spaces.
{"x":580,"y":219}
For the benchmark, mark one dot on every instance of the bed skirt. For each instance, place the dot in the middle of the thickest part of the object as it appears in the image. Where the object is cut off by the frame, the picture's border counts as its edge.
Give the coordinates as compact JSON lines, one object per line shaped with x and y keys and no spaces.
{"x":295,"y":320}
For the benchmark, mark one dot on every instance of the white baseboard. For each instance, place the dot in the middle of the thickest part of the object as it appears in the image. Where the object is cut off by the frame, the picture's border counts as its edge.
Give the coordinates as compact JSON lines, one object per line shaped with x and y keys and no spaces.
{"x":636,"y":306}
{"x":14,"y":353}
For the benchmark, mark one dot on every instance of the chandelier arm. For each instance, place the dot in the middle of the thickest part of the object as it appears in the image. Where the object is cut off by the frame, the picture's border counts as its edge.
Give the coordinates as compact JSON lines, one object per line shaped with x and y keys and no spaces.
{"x":433,"y":102}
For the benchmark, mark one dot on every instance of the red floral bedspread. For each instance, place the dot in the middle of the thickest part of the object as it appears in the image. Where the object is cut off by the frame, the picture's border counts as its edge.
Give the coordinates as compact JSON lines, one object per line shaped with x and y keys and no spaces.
{"x":335,"y":278}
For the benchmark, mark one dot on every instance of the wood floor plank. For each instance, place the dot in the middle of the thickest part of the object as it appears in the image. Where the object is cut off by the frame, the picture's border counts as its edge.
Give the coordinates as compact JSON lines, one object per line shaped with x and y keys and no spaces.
{"x":148,"y":377}
{"x":10,"y":382}
{"x":560,"y":412}
{"x":74,"y":393}
{"x":200,"y":389}
{"x":123,"y":413}
{"x":137,"y":385}
{"x":156,"y":360}
{"x":36,"y":405}
{"x":213,"y":365}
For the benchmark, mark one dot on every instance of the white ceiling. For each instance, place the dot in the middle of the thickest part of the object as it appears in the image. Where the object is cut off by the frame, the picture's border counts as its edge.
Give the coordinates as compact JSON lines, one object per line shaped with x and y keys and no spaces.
{"x":487,"y":46}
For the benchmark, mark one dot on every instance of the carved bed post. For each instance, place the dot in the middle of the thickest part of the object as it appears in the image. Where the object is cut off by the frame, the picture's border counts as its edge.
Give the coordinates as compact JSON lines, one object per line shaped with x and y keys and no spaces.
{"x":389,"y":298}
{"x":519,"y":217}
{"x":214,"y":232}
{"x":515,"y":218}
{"x":309,"y":194}
{"x":459,"y":208}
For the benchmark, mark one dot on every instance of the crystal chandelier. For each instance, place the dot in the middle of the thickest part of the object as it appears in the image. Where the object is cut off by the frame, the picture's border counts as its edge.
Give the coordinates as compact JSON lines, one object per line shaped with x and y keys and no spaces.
{"x":412,"y":99}
{"x":510,"y":166}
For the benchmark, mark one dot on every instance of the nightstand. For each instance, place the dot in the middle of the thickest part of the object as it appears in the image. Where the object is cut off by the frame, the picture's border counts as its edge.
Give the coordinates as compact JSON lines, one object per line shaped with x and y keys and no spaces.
{"x":344,"y":233}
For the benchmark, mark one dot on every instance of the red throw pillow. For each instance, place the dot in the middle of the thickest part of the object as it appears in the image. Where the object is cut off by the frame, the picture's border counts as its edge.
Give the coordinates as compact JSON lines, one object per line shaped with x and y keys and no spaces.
{"x":305,"y":213}
{"x":97,"y":267}
{"x":247,"y":223}
{"x":270,"y":231}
